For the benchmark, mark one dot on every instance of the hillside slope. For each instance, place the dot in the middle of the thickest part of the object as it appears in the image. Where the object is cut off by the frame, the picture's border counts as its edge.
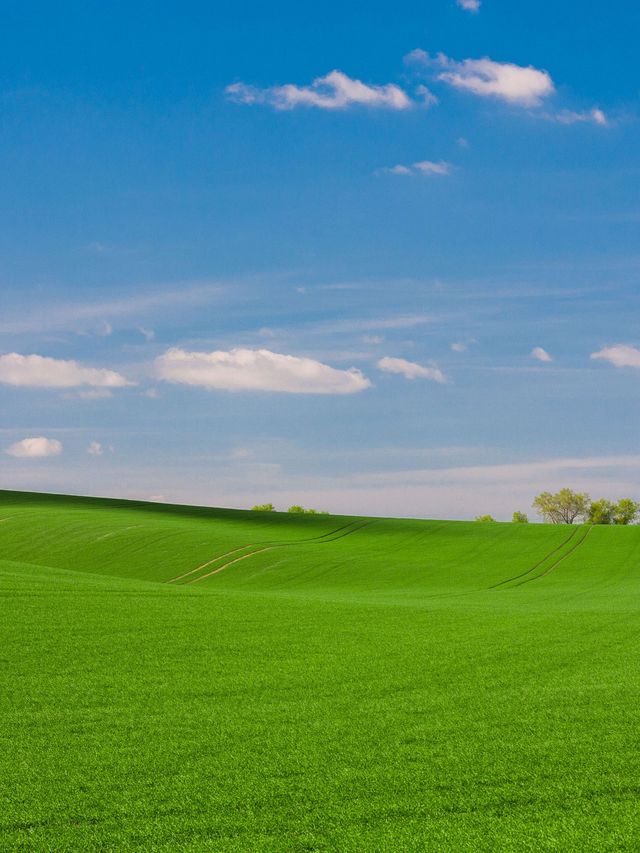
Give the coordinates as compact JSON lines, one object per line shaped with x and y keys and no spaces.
{"x":280,"y":551}
{"x":344,"y":684}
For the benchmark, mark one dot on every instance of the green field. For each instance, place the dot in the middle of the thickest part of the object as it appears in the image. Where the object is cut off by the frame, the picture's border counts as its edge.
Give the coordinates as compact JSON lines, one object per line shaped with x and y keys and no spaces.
{"x":177,"y":678}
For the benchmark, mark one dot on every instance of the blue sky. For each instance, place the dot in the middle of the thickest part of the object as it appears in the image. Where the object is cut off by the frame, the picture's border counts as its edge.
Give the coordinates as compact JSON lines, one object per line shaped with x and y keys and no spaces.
{"x":229,"y":274}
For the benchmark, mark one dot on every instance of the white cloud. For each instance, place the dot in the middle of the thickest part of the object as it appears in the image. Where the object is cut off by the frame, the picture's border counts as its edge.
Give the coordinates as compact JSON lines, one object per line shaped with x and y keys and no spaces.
{"x":459,"y":346}
{"x":397,"y":170}
{"x":148,"y":334}
{"x":620,"y":355}
{"x":469,"y":5}
{"x":32,"y":448}
{"x":95,"y":449}
{"x":517,"y":84}
{"x":426,"y":96}
{"x":334,"y":91}
{"x":37,"y":371}
{"x":257,"y":370}
{"x":593,"y":116}
{"x":422,"y":167}
{"x":541,"y":354}
{"x":410,"y":370}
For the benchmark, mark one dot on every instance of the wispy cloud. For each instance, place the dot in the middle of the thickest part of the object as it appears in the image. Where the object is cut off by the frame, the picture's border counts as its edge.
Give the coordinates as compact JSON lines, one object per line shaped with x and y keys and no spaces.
{"x":257,"y":370}
{"x":426,"y":168}
{"x":410,"y":369}
{"x":592,"y":116}
{"x":462,"y":346}
{"x":333,"y":91}
{"x":620,"y":355}
{"x":517,"y":84}
{"x":77,"y":315}
{"x":37,"y":371}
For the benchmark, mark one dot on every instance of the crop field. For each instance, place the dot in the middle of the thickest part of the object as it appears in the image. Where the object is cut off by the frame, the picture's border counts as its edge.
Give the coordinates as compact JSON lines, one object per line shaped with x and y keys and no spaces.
{"x":179,"y":678}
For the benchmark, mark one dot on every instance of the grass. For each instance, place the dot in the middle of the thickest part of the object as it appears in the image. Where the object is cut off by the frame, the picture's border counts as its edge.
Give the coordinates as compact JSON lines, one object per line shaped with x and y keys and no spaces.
{"x":355,"y":685}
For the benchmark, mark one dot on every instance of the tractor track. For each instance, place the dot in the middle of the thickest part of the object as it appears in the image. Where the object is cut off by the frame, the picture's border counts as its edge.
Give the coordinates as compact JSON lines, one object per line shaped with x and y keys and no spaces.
{"x":330,"y":536}
{"x":539,"y":563}
{"x":524,"y":577}
{"x":571,"y":550}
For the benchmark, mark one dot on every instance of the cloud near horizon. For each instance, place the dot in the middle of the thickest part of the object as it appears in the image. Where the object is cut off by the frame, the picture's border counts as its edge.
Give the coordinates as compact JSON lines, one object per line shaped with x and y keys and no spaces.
{"x":411,"y":370}
{"x":35,"y":448}
{"x":541,"y":354}
{"x":38,"y":371}
{"x":620,"y":355}
{"x":333,"y":91}
{"x":517,"y":84}
{"x":257,"y":370}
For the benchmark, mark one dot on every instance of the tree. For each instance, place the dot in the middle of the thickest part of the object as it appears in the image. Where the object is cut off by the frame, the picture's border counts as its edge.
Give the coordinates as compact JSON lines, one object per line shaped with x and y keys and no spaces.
{"x":520,"y":517}
{"x":263,"y":508}
{"x":296,"y":508}
{"x":625,"y":511}
{"x":485,"y":518}
{"x":564,"y":507}
{"x":601,"y":512}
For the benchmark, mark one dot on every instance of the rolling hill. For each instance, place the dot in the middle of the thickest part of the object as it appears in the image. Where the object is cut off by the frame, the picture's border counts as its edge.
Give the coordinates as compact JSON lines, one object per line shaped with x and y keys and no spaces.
{"x":183,"y":678}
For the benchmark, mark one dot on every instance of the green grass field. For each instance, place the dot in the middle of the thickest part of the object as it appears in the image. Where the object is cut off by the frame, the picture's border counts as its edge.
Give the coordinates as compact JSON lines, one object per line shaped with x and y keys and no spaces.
{"x":178,"y":678}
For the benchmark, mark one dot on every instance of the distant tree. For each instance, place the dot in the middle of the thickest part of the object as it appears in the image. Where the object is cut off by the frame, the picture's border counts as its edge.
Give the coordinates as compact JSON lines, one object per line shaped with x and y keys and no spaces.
{"x":564,"y":507}
{"x":601,"y":512}
{"x":626,"y":511}
{"x":263,"y":508}
{"x":310,"y":511}
{"x":485,"y":518}
{"x":520,"y":517}
{"x":296,"y":508}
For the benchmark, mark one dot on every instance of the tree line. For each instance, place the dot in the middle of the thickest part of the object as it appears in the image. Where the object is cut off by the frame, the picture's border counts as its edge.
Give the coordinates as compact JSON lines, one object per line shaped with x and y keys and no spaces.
{"x":567,"y":507}
{"x":296,"y":508}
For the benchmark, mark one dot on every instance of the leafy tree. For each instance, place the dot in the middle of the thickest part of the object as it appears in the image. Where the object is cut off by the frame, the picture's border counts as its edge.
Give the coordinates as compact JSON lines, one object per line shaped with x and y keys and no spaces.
{"x":601,"y":512}
{"x":625,"y":511}
{"x":565,"y":507}
{"x":485,"y":518}
{"x":296,"y":508}
{"x":263,"y":508}
{"x":520,"y":517}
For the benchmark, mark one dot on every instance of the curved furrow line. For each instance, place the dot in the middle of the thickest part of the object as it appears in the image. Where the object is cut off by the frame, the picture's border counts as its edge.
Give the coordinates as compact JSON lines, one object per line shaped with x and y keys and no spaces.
{"x":316,"y":539}
{"x":557,"y":562}
{"x":272,"y":547}
{"x":210,"y":562}
{"x":539,"y":563}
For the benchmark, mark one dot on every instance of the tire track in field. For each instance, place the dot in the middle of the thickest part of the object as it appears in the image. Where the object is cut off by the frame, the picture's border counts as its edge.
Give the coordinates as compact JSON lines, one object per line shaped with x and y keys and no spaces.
{"x":268,"y":545}
{"x":525,"y":577}
{"x":255,"y":545}
{"x":539,"y":563}
{"x":316,"y":540}
{"x":571,"y":550}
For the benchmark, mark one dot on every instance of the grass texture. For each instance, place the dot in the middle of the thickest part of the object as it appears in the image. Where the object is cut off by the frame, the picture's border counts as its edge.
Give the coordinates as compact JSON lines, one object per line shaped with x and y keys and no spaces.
{"x":187,"y":679}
